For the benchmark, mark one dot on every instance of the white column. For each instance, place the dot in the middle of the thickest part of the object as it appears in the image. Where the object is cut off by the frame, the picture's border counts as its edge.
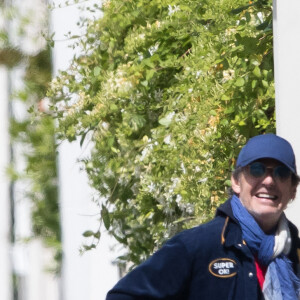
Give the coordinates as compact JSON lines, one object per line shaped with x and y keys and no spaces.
{"x":31,"y":260}
{"x":91,"y":275}
{"x":286,"y":22}
{"x":5,"y":255}
{"x":40,"y":283}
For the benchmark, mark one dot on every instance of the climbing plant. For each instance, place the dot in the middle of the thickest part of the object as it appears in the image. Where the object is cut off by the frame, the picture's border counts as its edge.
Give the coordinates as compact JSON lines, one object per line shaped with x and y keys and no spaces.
{"x":168,"y":90}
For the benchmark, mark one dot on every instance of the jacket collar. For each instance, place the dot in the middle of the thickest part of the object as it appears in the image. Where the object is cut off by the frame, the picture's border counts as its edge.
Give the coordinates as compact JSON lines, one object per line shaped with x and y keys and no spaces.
{"x":225,"y":209}
{"x":232,"y":232}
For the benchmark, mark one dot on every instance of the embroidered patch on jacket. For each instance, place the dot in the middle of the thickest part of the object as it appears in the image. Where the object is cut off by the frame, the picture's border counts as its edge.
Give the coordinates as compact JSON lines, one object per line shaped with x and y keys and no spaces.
{"x":223,"y":267}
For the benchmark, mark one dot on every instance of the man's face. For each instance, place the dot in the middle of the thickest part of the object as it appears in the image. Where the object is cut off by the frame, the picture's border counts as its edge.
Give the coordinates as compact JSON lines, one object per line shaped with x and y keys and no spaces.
{"x":264,"y":197}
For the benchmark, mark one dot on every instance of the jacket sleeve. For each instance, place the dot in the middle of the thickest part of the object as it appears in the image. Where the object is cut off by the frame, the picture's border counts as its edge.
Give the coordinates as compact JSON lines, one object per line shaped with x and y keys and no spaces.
{"x":165,"y":275}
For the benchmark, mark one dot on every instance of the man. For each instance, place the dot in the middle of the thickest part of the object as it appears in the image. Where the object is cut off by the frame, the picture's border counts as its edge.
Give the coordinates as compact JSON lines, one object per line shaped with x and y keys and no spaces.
{"x":247,"y":252}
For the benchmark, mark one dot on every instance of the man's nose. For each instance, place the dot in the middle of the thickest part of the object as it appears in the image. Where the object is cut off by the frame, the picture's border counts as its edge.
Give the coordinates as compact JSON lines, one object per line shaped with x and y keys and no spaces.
{"x":269,"y":177}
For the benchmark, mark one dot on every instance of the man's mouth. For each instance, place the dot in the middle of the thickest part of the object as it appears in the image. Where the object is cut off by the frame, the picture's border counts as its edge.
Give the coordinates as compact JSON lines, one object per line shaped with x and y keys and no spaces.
{"x":266,"y":196}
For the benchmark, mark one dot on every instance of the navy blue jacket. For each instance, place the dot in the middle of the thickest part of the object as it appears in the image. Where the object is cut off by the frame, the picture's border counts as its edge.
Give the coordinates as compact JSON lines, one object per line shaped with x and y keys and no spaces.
{"x":210,"y":261}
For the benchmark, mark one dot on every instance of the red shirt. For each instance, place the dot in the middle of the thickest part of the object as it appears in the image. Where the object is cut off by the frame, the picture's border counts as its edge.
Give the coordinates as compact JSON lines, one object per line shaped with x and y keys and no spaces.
{"x":260,"y":272}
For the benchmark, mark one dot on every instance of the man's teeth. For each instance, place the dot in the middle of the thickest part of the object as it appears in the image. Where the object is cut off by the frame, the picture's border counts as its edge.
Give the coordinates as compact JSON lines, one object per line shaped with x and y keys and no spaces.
{"x":268,"y":196}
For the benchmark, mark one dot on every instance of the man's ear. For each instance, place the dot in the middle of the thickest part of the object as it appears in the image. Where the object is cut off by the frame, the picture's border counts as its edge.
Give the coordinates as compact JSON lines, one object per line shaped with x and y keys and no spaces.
{"x":235,"y":185}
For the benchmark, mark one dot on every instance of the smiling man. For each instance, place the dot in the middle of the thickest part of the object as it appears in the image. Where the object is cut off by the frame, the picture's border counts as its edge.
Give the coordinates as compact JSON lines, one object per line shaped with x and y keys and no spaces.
{"x":248,"y":251}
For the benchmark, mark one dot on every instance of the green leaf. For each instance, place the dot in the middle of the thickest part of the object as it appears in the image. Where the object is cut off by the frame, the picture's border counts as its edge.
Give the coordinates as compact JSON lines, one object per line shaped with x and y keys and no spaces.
{"x":240,"y":9}
{"x":149,"y":63}
{"x":97,"y":71}
{"x":254,"y":84}
{"x":165,"y":121}
{"x":89,"y":247}
{"x":88,"y":233}
{"x":265,"y":83}
{"x":224,"y":122}
{"x":113,"y":107}
{"x":113,"y":149}
{"x":240,"y":82}
{"x":83,"y":138}
{"x":228,"y":182}
{"x":97,"y":235}
{"x":144,"y":83}
{"x":257,"y":72}
{"x":149,"y":74}
{"x":225,"y":97}
{"x":105,"y":217}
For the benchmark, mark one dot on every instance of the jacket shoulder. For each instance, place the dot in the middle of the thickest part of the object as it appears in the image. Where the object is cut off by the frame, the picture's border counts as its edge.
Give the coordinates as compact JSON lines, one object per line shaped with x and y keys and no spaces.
{"x":204,"y":236}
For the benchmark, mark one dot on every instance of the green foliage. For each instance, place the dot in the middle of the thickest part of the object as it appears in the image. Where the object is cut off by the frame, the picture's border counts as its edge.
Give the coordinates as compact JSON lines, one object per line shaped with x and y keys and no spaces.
{"x":36,"y":133}
{"x":10,"y":57}
{"x":170,"y":90}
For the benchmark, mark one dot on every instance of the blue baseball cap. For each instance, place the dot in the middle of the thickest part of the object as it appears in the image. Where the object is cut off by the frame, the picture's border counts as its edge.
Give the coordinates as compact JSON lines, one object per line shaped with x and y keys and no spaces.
{"x":267,"y":146}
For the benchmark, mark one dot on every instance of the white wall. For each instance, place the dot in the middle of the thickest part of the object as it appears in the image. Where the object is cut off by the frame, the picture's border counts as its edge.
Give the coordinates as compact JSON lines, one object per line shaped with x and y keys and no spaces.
{"x":5,"y":249}
{"x":287,"y":81}
{"x":89,"y":276}
{"x":30,"y":259}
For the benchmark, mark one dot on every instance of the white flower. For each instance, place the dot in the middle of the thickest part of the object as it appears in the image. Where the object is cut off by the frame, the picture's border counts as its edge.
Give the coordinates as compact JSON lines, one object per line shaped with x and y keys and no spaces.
{"x":189,"y":208}
{"x":105,"y":125}
{"x":178,"y":199}
{"x":197,"y":169}
{"x":170,"y":115}
{"x":260,"y":17}
{"x":153,"y":49}
{"x":167,"y":139}
{"x":140,"y":55}
{"x":230,"y":31}
{"x":202,"y":180}
{"x":119,"y":81}
{"x":175,"y":181}
{"x":173,"y":10}
{"x":151,"y":187}
{"x":198,"y":73}
{"x":146,"y":151}
{"x":183,"y":168}
{"x":157,"y":24}
{"x":228,"y":74}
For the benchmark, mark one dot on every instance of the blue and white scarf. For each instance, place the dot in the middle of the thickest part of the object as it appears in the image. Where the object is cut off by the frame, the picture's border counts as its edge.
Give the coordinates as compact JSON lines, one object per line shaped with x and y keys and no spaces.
{"x":281,"y":283}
